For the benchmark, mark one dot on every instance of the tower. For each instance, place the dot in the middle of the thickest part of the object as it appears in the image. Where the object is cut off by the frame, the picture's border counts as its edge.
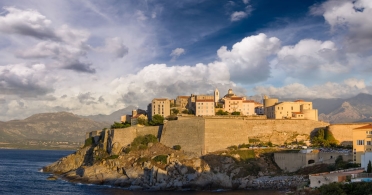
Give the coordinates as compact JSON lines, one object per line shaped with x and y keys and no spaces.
{"x":216,"y":95}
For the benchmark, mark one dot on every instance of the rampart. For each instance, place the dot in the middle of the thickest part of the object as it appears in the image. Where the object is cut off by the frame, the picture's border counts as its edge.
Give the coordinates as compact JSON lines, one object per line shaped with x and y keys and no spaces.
{"x":203,"y":135}
{"x":344,"y":132}
{"x":189,"y":134}
{"x":220,"y":134}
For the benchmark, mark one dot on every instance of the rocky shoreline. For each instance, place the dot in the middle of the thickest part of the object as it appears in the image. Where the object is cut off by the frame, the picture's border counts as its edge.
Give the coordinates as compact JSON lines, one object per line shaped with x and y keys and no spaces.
{"x":176,"y":170}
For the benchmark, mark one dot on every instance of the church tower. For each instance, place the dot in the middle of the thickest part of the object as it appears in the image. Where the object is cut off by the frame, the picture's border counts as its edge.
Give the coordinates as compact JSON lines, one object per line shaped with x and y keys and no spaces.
{"x":216,"y":96}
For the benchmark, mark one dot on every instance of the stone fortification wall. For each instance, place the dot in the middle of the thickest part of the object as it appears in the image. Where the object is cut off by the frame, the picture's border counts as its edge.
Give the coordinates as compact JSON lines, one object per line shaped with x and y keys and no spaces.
{"x":119,"y":138}
{"x":344,"y":132}
{"x":188,"y":133}
{"x":221,"y":133}
{"x":291,"y":162}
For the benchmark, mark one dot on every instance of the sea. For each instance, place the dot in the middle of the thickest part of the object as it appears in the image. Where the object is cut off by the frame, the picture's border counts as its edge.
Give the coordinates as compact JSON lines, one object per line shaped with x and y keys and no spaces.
{"x":20,"y":173}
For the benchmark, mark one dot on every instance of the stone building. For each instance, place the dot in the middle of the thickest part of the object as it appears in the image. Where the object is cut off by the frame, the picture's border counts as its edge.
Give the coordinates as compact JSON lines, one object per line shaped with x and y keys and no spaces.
{"x":182,"y":102}
{"x":233,"y":103}
{"x":160,"y":106}
{"x":362,"y":139}
{"x":291,"y":162}
{"x":204,"y":105}
{"x":298,"y":109}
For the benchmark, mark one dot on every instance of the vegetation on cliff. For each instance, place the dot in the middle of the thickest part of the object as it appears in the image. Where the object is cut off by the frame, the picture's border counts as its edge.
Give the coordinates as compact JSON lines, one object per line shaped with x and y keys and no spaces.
{"x":324,"y":137}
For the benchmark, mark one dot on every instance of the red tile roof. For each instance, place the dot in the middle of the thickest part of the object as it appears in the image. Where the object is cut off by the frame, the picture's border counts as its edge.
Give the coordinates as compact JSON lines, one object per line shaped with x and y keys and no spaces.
{"x":183,"y":97}
{"x":161,"y":99}
{"x":205,"y":100}
{"x":236,"y":98}
{"x":299,"y":101}
{"x":369,"y":126}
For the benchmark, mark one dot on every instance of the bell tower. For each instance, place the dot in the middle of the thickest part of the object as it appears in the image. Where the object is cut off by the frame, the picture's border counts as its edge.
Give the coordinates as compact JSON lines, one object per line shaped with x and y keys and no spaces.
{"x":216,"y":95}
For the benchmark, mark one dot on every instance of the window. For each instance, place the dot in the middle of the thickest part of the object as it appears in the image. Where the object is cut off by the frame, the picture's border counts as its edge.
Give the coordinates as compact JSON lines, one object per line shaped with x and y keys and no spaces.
{"x":360,"y":142}
{"x":369,"y":143}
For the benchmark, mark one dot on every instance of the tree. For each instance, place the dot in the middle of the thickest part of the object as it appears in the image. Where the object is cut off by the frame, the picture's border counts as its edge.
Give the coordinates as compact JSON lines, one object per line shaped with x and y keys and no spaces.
{"x":235,"y":113}
{"x":175,"y":111}
{"x":369,"y":167}
{"x":157,"y":120}
{"x":117,"y":125}
{"x":324,"y":137}
{"x":221,"y":112}
{"x":185,"y":111}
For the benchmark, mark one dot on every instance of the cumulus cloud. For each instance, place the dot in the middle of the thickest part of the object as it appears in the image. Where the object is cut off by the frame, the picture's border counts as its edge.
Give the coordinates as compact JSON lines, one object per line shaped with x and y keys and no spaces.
{"x":159,"y":80}
{"x":26,"y":22}
{"x":140,"y":16}
{"x":115,"y":46}
{"x":349,"y":87}
{"x":86,"y":98}
{"x":247,"y":60}
{"x":238,"y":15}
{"x":354,"y":17}
{"x":309,"y":58}
{"x":176,"y":53}
{"x":25,"y":81}
{"x":64,"y":45}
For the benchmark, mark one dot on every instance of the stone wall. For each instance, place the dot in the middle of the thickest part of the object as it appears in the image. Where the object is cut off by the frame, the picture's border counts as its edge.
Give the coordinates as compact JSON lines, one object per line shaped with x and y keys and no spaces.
{"x":119,"y":138}
{"x":344,"y":132}
{"x":189,"y":134}
{"x":221,"y":133}
{"x":291,"y":162}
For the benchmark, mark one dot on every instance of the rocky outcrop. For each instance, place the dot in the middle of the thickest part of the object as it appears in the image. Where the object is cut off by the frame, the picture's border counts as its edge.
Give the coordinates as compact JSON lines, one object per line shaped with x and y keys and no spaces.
{"x":139,"y":170}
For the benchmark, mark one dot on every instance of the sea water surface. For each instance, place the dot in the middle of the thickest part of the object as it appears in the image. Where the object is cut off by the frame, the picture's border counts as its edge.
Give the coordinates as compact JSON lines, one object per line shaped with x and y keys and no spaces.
{"x":20,"y":174}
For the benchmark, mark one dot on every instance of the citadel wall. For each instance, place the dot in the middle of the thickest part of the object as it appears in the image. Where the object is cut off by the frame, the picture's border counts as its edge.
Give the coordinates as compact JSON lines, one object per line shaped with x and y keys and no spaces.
{"x":188,"y":133}
{"x":220,"y":134}
{"x":344,"y":132}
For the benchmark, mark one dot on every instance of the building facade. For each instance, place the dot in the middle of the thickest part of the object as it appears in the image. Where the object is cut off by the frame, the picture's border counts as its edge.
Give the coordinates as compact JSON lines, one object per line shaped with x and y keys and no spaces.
{"x":362,"y":139}
{"x":298,"y":109}
{"x":204,"y":105}
{"x":160,"y":106}
{"x":182,"y":102}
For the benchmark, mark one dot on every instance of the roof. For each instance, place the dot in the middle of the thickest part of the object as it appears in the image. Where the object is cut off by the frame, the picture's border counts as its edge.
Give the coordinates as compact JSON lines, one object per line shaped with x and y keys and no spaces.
{"x":299,"y":101}
{"x":205,"y":100}
{"x":236,"y":98}
{"x":369,"y":126}
{"x":249,"y":101}
{"x":183,"y":97}
{"x":160,"y":99}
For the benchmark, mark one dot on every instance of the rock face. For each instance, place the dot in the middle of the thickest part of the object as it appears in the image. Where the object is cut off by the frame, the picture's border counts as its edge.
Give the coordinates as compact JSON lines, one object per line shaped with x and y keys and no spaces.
{"x":138,"y":170}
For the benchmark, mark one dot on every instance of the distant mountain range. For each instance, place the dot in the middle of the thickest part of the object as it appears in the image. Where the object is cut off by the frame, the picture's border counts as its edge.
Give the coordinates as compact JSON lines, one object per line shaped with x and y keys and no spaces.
{"x":354,"y":109}
{"x":60,"y":126}
{"x":64,"y":126}
{"x":57,"y":127}
{"x":115,"y":116}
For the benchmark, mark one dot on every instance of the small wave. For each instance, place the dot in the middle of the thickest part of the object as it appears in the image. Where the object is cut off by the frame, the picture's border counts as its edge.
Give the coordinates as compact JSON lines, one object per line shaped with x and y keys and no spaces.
{"x":40,"y":170}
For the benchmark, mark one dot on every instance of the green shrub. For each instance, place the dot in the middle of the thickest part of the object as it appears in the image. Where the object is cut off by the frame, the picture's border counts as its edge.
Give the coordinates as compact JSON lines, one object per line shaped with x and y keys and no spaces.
{"x":117,"y":125}
{"x":185,"y":111}
{"x":88,"y":142}
{"x":161,"y":158}
{"x":232,"y":147}
{"x":156,"y":120}
{"x":221,"y":112}
{"x":127,"y":150}
{"x":141,"y":142}
{"x":244,"y":146}
{"x":235,"y":113}
{"x":113,"y":157}
{"x":177,"y":147}
{"x":142,"y":160}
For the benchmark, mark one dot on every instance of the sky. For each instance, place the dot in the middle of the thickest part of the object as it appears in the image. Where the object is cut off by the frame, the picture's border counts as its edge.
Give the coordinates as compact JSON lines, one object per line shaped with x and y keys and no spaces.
{"x":95,"y":57}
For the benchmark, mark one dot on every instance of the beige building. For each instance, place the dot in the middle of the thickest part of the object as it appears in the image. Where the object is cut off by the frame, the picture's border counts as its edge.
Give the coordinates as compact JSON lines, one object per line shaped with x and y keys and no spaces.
{"x":182,"y":102}
{"x":160,"y":106}
{"x":362,"y":137}
{"x":133,"y":119}
{"x":233,"y":103}
{"x":298,"y":109}
{"x":204,"y":107}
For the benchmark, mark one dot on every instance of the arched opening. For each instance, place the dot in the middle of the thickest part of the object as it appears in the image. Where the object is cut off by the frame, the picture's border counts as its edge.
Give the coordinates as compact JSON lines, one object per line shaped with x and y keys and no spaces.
{"x":310,"y":161}
{"x":331,"y":157}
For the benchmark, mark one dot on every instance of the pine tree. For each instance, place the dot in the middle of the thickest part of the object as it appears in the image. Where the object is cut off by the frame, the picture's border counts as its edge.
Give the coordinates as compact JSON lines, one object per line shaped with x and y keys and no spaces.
{"x":369,"y":167}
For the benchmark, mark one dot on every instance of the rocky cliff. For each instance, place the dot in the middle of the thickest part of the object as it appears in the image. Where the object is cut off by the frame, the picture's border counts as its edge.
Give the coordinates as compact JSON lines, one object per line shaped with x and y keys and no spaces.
{"x":161,"y":168}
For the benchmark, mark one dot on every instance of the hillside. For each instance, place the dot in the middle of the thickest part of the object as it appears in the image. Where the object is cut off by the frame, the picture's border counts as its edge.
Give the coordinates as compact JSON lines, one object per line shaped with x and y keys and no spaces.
{"x":60,"y":126}
{"x":354,"y":109}
{"x":115,"y":116}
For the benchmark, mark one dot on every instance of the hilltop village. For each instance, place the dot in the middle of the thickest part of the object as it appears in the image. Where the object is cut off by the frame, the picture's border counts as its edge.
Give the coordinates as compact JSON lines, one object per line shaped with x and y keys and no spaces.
{"x":229,"y":104}
{"x":205,"y":141}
